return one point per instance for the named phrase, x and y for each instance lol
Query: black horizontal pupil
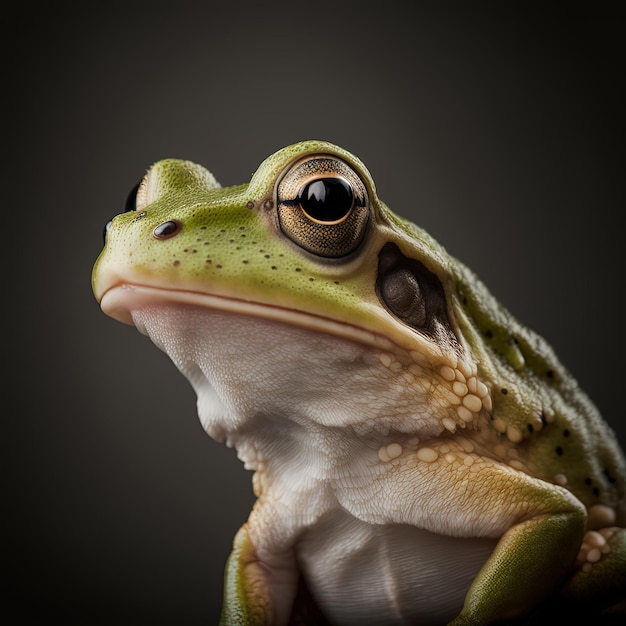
(326, 199)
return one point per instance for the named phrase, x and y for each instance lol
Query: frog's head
(306, 241)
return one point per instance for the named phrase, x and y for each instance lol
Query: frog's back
(578, 450)
(542, 422)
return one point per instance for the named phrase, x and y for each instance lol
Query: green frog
(419, 456)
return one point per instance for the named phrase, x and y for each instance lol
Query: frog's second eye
(131, 200)
(130, 205)
(323, 206)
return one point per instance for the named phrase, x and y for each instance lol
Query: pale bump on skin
(427, 455)
(412, 454)
(601, 516)
(468, 400)
(491, 433)
(455, 394)
(468, 395)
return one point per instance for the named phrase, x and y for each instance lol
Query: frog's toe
(595, 546)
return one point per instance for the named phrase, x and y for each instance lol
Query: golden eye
(323, 206)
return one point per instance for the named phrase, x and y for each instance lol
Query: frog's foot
(596, 544)
(600, 576)
(597, 589)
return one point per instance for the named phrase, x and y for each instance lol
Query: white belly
(383, 575)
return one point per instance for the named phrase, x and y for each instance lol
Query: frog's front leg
(446, 490)
(257, 593)
(591, 584)
(529, 561)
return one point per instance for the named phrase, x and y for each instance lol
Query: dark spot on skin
(222, 230)
(596, 491)
(566, 433)
(488, 334)
(219, 267)
(274, 267)
(464, 301)
(231, 241)
(250, 205)
(530, 427)
(336, 282)
(610, 478)
(176, 263)
(298, 269)
(267, 256)
(559, 450)
(504, 391)
(242, 228)
(311, 279)
(209, 261)
(550, 374)
(245, 261)
(588, 481)
(202, 227)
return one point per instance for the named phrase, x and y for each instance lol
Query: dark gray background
(499, 136)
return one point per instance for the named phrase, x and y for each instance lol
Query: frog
(417, 454)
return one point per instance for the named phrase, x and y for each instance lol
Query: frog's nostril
(167, 229)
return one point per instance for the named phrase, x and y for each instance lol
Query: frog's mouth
(121, 301)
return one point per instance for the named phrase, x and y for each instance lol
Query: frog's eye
(323, 206)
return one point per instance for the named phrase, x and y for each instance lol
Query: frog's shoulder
(541, 421)
(529, 383)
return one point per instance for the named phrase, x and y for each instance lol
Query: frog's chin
(122, 301)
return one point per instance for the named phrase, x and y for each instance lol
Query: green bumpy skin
(419, 456)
